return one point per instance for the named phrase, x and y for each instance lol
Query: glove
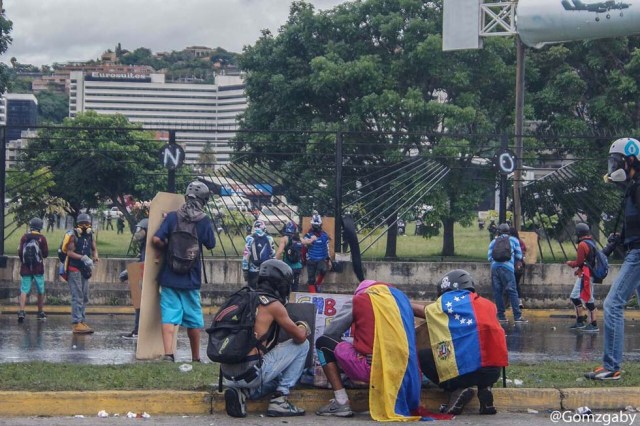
(609, 248)
(613, 239)
(87, 261)
(305, 325)
(124, 275)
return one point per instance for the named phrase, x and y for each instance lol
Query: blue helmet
(291, 228)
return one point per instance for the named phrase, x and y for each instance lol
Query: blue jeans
(502, 279)
(627, 281)
(281, 369)
(79, 287)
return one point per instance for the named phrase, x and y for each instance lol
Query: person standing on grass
(623, 167)
(582, 293)
(32, 251)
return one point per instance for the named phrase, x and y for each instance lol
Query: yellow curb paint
(602, 398)
(20, 404)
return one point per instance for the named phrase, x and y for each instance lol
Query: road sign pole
(171, 179)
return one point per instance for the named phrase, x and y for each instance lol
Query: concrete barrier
(545, 285)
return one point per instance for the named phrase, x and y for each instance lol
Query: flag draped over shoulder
(465, 334)
(394, 389)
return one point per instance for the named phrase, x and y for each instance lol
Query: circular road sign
(505, 161)
(172, 156)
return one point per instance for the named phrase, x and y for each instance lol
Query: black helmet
(83, 217)
(198, 190)
(582, 229)
(276, 277)
(503, 228)
(36, 224)
(458, 279)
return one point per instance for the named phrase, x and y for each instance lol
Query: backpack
(62, 249)
(183, 251)
(31, 253)
(63, 271)
(501, 249)
(260, 249)
(293, 251)
(597, 262)
(231, 335)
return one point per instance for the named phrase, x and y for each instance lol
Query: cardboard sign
(531, 240)
(325, 307)
(134, 270)
(150, 331)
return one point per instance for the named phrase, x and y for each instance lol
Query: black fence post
(171, 180)
(337, 244)
(3, 175)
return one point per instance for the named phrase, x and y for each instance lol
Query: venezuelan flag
(464, 334)
(394, 389)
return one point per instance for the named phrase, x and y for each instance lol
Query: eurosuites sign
(126, 76)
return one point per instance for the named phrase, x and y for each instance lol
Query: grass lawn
(470, 243)
(42, 376)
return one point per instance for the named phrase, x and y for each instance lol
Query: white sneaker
(334, 408)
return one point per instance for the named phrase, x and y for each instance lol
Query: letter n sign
(172, 156)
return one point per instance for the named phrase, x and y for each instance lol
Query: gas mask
(83, 228)
(616, 168)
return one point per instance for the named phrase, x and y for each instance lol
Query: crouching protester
(382, 354)
(468, 344)
(267, 367)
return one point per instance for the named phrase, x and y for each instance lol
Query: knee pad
(591, 306)
(577, 302)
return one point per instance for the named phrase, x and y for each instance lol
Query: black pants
(482, 378)
(325, 347)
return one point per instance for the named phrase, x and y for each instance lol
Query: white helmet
(619, 151)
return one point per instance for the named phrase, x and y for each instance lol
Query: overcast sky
(48, 31)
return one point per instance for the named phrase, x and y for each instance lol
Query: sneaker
(521, 320)
(600, 373)
(168, 358)
(279, 406)
(590, 328)
(234, 402)
(334, 408)
(42, 316)
(130, 336)
(21, 316)
(485, 396)
(458, 399)
(578, 325)
(89, 329)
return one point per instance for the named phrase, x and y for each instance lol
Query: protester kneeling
(267, 367)
(382, 354)
(468, 344)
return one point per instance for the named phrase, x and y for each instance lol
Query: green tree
(377, 67)
(53, 107)
(5, 40)
(93, 158)
(207, 159)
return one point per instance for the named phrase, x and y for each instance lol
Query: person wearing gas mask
(272, 368)
(623, 167)
(82, 253)
(140, 237)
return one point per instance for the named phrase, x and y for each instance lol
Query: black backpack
(231, 335)
(183, 251)
(293, 251)
(501, 249)
(31, 252)
(260, 249)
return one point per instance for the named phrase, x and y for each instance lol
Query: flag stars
(457, 299)
(469, 321)
(450, 310)
(462, 321)
(449, 304)
(456, 317)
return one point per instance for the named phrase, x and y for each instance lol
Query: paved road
(542, 339)
(501, 419)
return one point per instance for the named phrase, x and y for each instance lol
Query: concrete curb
(22, 404)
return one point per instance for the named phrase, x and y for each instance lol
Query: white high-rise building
(197, 112)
